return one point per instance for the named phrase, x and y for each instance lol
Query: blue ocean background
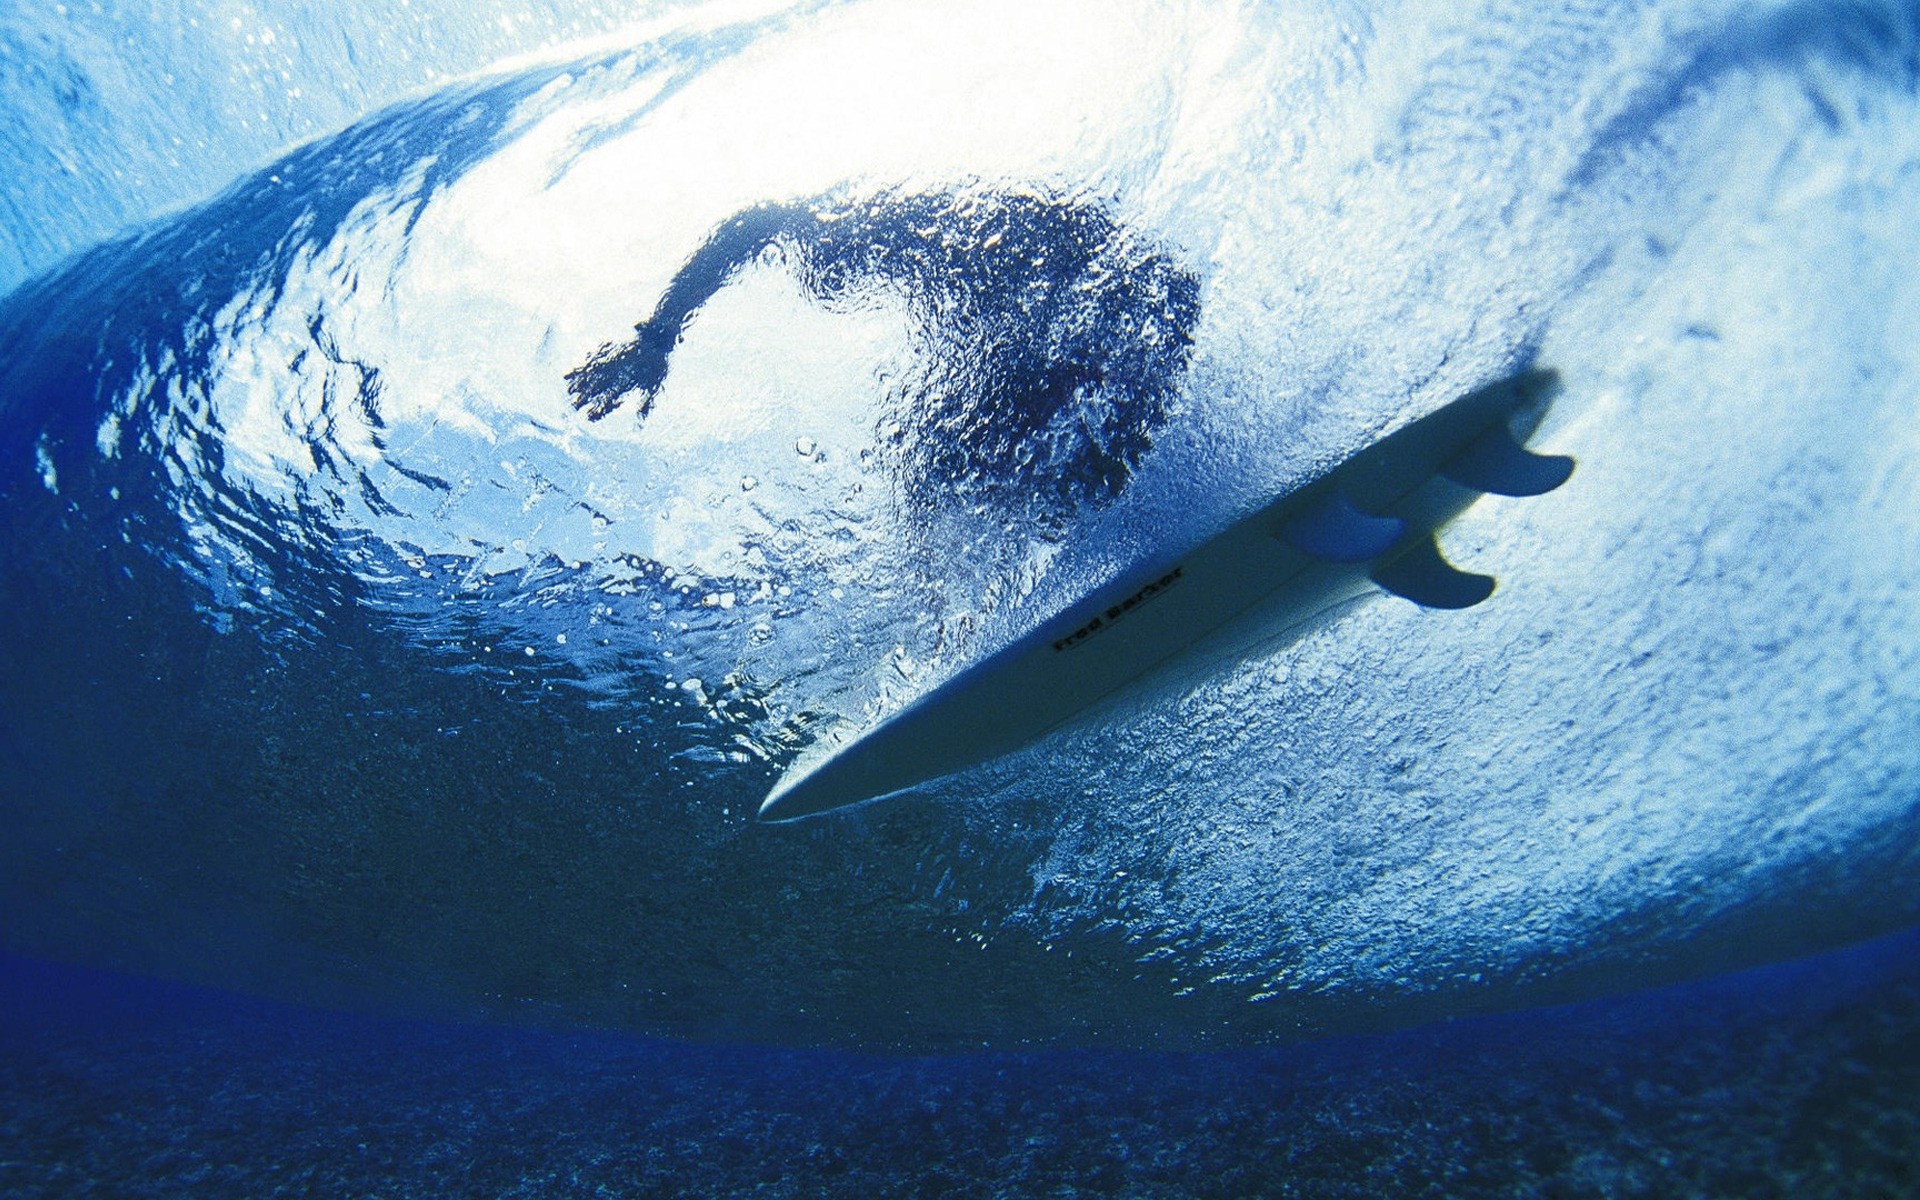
(381, 731)
(1791, 1080)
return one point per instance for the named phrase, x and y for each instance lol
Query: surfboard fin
(1421, 575)
(1494, 462)
(1333, 529)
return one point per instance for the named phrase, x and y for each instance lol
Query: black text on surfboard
(1116, 611)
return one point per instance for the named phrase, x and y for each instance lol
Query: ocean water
(1794, 1080)
(454, 460)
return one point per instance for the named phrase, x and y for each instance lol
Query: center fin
(1333, 529)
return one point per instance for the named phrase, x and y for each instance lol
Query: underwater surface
(455, 459)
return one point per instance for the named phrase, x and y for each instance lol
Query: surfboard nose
(857, 773)
(790, 799)
(912, 750)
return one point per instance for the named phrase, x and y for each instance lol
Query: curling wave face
(423, 556)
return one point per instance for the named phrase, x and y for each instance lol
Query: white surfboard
(1367, 523)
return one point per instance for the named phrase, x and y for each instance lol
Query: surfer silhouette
(1050, 341)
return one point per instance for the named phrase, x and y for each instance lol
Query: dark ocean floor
(1800, 1080)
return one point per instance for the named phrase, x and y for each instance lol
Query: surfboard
(1367, 523)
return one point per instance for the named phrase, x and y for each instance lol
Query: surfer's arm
(619, 369)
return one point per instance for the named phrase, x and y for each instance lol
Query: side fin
(1422, 576)
(1333, 529)
(1494, 462)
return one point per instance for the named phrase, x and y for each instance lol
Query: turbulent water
(422, 556)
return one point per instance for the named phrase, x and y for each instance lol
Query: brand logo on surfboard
(1115, 611)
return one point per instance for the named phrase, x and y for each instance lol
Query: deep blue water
(1800, 1079)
